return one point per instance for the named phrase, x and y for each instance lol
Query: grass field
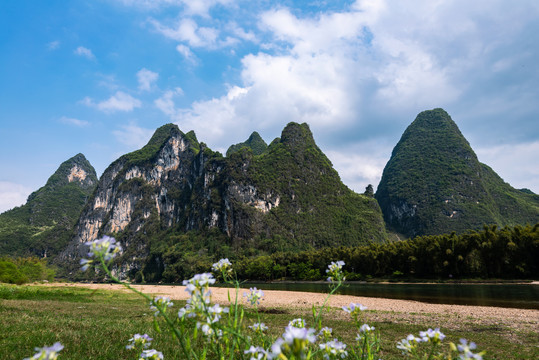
(96, 324)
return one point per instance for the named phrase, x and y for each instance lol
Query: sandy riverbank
(439, 315)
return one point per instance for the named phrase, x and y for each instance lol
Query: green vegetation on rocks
(254, 142)
(44, 225)
(434, 184)
(22, 270)
(184, 204)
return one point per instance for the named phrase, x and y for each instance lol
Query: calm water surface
(524, 296)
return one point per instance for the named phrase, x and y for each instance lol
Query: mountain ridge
(288, 197)
(175, 204)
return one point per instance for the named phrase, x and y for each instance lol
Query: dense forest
(504, 253)
(494, 252)
(23, 270)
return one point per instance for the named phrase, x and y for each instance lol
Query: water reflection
(523, 296)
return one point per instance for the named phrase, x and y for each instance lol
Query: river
(523, 296)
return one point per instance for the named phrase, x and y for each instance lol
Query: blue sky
(99, 76)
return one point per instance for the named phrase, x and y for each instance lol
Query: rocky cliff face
(434, 184)
(43, 226)
(176, 184)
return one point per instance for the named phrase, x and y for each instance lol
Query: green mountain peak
(44, 224)
(434, 183)
(255, 142)
(297, 136)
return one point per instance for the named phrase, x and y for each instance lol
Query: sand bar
(442, 315)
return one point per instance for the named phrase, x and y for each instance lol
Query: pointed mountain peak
(80, 170)
(254, 142)
(433, 118)
(434, 130)
(255, 136)
(159, 138)
(75, 169)
(434, 183)
(297, 135)
(163, 133)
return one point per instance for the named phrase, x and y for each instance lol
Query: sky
(99, 76)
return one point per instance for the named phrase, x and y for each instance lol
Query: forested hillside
(434, 184)
(44, 225)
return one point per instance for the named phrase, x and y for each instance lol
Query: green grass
(96, 324)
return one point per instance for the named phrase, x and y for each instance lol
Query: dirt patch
(450, 316)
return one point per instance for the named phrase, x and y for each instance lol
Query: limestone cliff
(176, 185)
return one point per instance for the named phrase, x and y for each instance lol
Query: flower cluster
(151, 354)
(434, 336)
(325, 333)
(160, 304)
(334, 349)
(258, 327)
(254, 296)
(198, 288)
(465, 350)
(142, 341)
(354, 309)
(256, 352)
(334, 271)
(365, 328)
(293, 343)
(297, 323)
(223, 266)
(408, 345)
(47, 352)
(105, 248)
(199, 283)
(198, 305)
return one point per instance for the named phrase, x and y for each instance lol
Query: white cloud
(187, 53)
(12, 194)
(120, 101)
(187, 30)
(146, 78)
(133, 136)
(53, 45)
(84, 52)
(360, 164)
(73, 121)
(189, 7)
(202, 7)
(513, 162)
(240, 32)
(107, 81)
(166, 102)
(366, 71)
(315, 81)
(215, 118)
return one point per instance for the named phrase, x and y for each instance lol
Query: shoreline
(440, 315)
(396, 282)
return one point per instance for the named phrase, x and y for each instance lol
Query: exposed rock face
(175, 182)
(434, 184)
